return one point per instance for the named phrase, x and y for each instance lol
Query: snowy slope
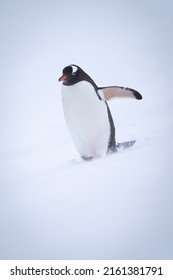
(52, 204)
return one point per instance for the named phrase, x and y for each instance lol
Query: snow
(53, 205)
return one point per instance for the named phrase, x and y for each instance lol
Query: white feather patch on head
(74, 69)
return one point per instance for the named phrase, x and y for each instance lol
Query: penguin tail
(125, 145)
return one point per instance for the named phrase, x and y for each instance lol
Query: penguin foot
(87, 158)
(112, 150)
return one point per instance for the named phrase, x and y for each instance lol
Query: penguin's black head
(73, 74)
(70, 75)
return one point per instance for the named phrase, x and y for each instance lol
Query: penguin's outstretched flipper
(115, 91)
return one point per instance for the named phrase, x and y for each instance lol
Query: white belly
(87, 119)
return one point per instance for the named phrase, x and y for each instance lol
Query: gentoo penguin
(87, 113)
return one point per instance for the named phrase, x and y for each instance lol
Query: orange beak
(63, 78)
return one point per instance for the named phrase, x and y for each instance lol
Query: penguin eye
(74, 73)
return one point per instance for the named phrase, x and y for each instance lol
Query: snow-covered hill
(53, 205)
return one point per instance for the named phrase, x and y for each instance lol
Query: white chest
(87, 119)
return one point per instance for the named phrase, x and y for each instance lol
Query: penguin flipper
(116, 91)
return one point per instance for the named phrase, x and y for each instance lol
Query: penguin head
(70, 75)
(73, 74)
